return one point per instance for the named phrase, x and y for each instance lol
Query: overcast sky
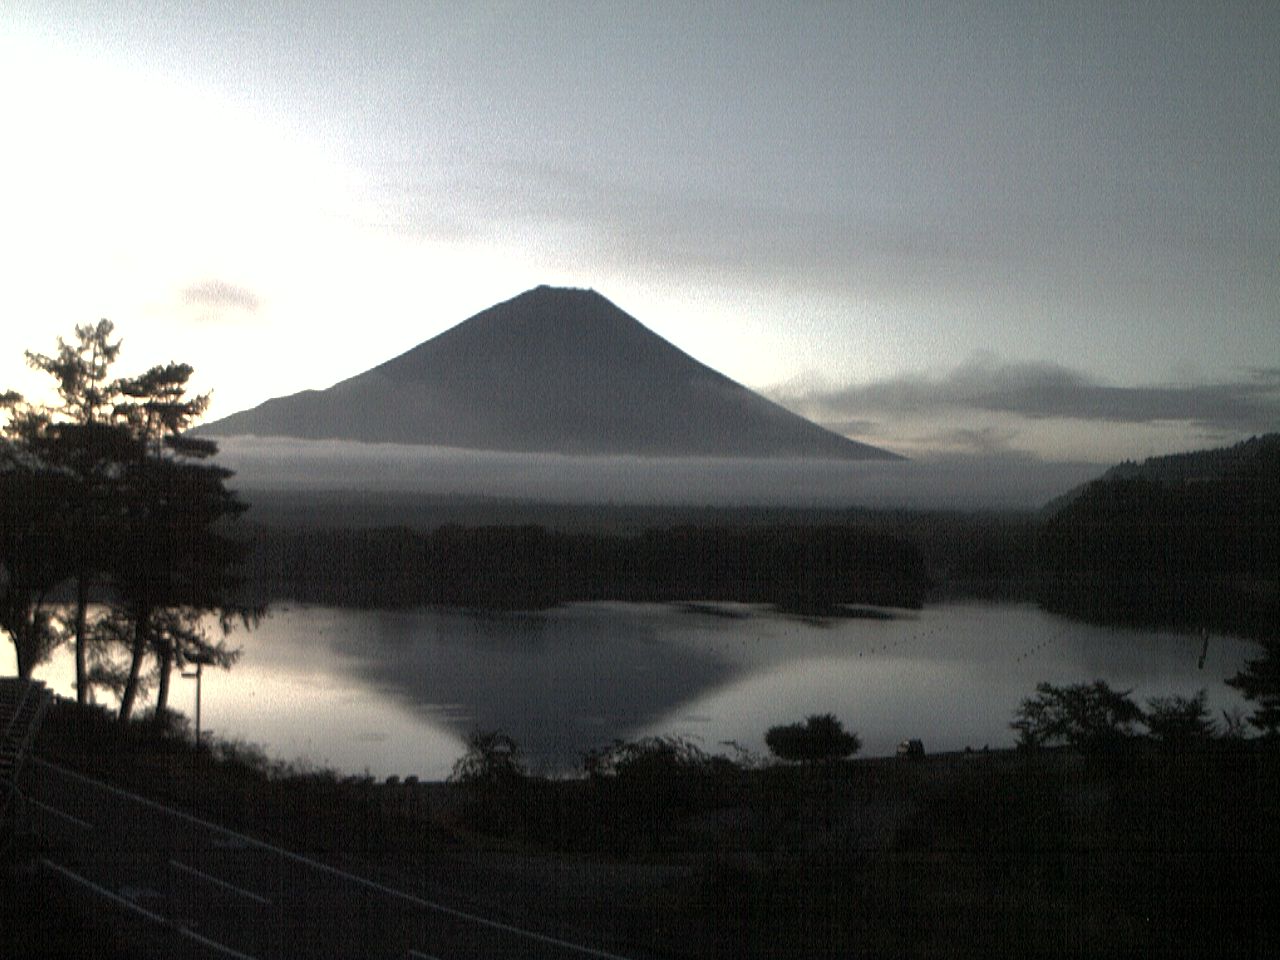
(1039, 229)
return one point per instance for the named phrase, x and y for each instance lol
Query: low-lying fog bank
(964, 483)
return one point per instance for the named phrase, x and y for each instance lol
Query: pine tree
(79, 437)
(107, 489)
(1259, 681)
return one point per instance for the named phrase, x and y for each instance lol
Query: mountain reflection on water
(396, 692)
(559, 682)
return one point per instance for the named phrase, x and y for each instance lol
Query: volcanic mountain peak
(554, 370)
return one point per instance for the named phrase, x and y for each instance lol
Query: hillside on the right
(1190, 541)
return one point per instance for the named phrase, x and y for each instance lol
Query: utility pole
(197, 678)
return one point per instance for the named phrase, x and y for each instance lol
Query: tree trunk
(162, 690)
(141, 638)
(31, 643)
(82, 667)
(24, 648)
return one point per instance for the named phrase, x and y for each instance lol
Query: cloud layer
(219, 293)
(997, 481)
(1039, 391)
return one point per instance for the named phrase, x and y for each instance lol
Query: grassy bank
(1136, 851)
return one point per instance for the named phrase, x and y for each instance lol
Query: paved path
(206, 891)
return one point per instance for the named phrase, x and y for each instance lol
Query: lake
(395, 692)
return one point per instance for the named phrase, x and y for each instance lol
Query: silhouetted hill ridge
(1243, 458)
(1252, 458)
(554, 370)
(1187, 541)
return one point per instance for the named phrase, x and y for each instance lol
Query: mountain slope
(1257, 457)
(552, 370)
(1190, 541)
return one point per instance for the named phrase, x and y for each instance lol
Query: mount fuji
(552, 370)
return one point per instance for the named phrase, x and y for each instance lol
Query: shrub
(821, 738)
(1259, 682)
(1088, 716)
(646, 758)
(492, 759)
(1180, 722)
(1234, 725)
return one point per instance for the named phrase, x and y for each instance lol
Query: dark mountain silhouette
(1255, 457)
(1191, 541)
(555, 370)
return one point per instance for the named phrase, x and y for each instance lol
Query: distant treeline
(965, 554)
(1183, 541)
(1180, 541)
(801, 568)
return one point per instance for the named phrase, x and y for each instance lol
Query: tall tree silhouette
(33, 555)
(85, 441)
(106, 489)
(176, 563)
(1259, 682)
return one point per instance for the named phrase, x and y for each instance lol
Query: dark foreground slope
(551, 370)
(673, 853)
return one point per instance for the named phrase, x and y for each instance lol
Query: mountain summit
(551, 370)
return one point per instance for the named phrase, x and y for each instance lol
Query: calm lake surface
(395, 692)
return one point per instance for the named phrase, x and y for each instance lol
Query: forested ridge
(1192, 540)
(799, 568)
(1186, 541)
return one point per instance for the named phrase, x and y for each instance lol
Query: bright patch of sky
(862, 209)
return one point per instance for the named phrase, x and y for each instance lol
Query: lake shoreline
(395, 692)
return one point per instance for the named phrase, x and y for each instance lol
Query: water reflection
(560, 682)
(570, 679)
(951, 676)
(396, 692)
